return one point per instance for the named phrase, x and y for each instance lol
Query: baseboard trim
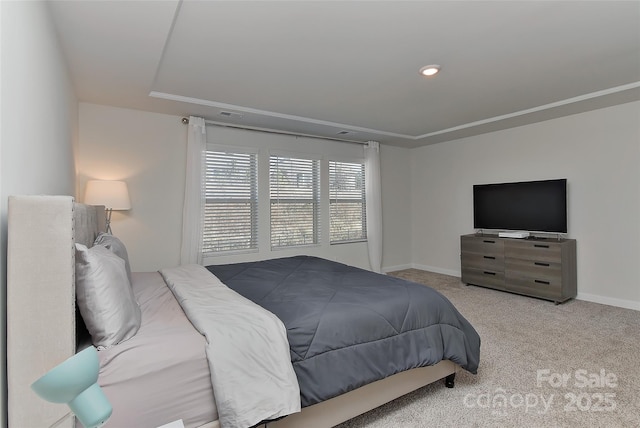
(421, 267)
(620, 303)
(395, 268)
(436, 269)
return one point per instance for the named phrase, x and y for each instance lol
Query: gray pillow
(104, 296)
(112, 243)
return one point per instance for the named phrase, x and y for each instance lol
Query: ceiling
(349, 69)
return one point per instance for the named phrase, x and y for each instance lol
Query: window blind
(295, 201)
(231, 202)
(347, 203)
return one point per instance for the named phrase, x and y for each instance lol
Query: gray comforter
(348, 327)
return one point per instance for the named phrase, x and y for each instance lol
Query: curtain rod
(185, 120)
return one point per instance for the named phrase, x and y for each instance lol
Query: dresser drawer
(493, 262)
(486, 278)
(547, 289)
(540, 251)
(482, 245)
(521, 268)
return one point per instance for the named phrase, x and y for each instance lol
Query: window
(231, 202)
(347, 205)
(295, 201)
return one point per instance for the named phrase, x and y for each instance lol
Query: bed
(45, 228)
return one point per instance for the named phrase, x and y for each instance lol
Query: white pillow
(116, 246)
(104, 295)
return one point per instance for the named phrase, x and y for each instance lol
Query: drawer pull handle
(541, 264)
(539, 281)
(489, 273)
(489, 241)
(540, 246)
(489, 257)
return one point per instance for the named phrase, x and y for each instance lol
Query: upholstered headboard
(41, 324)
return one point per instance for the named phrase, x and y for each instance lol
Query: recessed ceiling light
(430, 70)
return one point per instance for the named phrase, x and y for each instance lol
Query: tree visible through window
(295, 201)
(231, 202)
(347, 202)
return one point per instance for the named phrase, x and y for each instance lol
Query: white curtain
(191, 250)
(373, 190)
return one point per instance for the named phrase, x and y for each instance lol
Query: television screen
(534, 206)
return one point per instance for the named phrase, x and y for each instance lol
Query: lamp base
(91, 407)
(108, 220)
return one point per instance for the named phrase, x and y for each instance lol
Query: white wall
(396, 207)
(39, 120)
(598, 152)
(148, 151)
(425, 207)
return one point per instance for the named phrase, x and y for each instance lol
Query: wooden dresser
(539, 267)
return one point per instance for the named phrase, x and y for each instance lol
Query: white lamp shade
(112, 194)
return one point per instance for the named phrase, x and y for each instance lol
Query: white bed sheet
(161, 374)
(247, 348)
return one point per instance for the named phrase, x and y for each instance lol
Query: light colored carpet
(572, 365)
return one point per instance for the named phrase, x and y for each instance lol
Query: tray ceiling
(326, 67)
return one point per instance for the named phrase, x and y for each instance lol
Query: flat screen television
(532, 206)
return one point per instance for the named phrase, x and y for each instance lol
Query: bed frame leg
(449, 381)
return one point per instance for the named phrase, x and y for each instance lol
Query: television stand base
(543, 268)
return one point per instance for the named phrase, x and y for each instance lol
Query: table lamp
(112, 194)
(75, 382)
